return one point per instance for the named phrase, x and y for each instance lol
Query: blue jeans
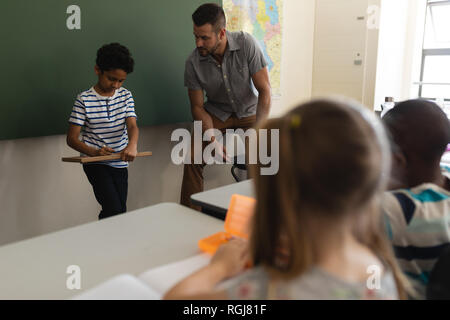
(110, 188)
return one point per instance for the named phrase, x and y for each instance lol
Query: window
(435, 70)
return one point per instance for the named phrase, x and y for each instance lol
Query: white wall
(297, 55)
(40, 194)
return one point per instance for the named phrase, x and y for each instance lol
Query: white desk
(129, 243)
(216, 201)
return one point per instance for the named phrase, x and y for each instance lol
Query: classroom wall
(297, 55)
(40, 194)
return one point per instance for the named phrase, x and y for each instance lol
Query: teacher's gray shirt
(229, 87)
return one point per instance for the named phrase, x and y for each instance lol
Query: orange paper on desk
(236, 223)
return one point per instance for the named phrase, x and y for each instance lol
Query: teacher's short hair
(210, 13)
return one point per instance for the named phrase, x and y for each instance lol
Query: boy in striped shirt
(418, 207)
(105, 117)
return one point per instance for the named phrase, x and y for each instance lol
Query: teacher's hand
(222, 150)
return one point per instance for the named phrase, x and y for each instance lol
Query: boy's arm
(130, 152)
(74, 142)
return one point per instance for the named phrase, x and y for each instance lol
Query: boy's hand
(104, 151)
(129, 153)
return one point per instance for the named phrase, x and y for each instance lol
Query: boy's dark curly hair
(114, 56)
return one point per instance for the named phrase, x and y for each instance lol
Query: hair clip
(296, 121)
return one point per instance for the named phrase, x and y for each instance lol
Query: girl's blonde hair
(334, 158)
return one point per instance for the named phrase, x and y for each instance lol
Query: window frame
(431, 52)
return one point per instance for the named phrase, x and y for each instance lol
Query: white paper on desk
(150, 285)
(165, 277)
(121, 287)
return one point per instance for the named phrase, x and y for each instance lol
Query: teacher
(228, 67)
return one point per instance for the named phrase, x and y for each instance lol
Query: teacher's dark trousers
(193, 173)
(110, 188)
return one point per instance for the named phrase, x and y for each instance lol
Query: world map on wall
(262, 19)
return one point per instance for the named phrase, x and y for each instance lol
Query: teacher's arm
(262, 84)
(198, 111)
(199, 114)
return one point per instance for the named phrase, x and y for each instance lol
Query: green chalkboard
(45, 64)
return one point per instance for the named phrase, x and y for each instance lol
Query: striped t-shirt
(418, 223)
(103, 120)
